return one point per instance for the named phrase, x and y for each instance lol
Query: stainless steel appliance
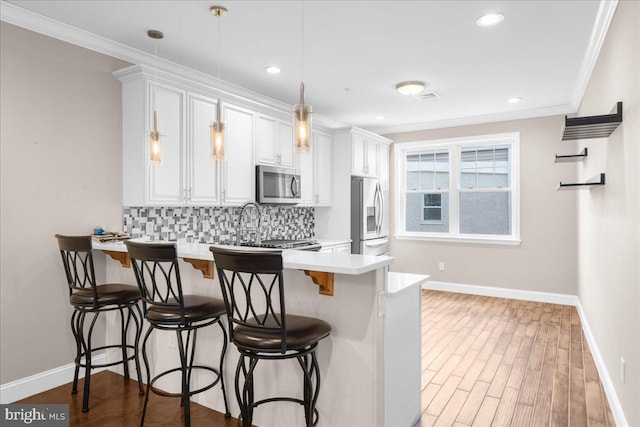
(277, 185)
(304, 245)
(369, 216)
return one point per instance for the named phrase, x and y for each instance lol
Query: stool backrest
(155, 266)
(78, 264)
(253, 289)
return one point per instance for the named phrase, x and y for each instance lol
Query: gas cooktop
(305, 244)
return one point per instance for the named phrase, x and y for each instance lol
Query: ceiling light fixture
(273, 70)
(489, 19)
(379, 117)
(302, 112)
(217, 126)
(514, 100)
(410, 88)
(155, 147)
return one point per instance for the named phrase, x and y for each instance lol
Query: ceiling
(356, 51)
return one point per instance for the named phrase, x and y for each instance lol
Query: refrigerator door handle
(381, 208)
(377, 200)
(376, 243)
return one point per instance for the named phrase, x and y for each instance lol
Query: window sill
(510, 241)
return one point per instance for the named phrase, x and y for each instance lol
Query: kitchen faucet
(240, 230)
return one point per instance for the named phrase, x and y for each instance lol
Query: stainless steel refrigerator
(369, 216)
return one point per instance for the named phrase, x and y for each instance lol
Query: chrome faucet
(240, 229)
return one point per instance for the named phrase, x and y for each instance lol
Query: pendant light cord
(302, 40)
(219, 90)
(155, 71)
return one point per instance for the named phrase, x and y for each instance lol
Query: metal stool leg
(146, 367)
(185, 375)
(136, 352)
(123, 341)
(74, 329)
(227, 414)
(87, 362)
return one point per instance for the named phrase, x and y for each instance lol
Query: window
(463, 189)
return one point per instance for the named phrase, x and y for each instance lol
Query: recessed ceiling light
(379, 117)
(489, 19)
(410, 88)
(514, 100)
(273, 70)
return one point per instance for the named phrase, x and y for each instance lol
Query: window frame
(454, 145)
(431, 221)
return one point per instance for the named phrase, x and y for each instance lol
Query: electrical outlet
(172, 341)
(622, 369)
(441, 266)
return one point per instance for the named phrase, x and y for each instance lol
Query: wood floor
(115, 402)
(502, 362)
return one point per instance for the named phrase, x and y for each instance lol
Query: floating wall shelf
(582, 185)
(592, 126)
(573, 157)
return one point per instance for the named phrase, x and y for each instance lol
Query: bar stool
(87, 297)
(167, 308)
(252, 283)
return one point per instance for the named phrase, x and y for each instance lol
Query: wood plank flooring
(501, 362)
(115, 401)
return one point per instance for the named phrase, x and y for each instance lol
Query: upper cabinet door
(358, 154)
(166, 181)
(239, 170)
(383, 162)
(266, 140)
(371, 159)
(203, 172)
(287, 155)
(323, 153)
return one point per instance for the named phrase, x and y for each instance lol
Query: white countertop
(331, 242)
(291, 259)
(397, 282)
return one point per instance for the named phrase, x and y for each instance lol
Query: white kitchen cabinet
(306, 170)
(274, 142)
(166, 182)
(238, 171)
(203, 177)
(323, 167)
(337, 248)
(383, 162)
(364, 155)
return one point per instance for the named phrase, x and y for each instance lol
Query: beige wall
(608, 217)
(60, 173)
(546, 259)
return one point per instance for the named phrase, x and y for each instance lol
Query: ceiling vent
(423, 96)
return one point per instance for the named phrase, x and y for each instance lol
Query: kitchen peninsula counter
(354, 360)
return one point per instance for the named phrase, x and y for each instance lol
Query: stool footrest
(191, 393)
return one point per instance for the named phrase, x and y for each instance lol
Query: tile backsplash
(209, 224)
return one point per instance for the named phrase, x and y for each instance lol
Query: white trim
(605, 378)
(490, 291)
(553, 110)
(548, 297)
(606, 11)
(43, 381)
(478, 240)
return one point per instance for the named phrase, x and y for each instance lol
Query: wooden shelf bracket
(324, 281)
(206, 267)
(121, 257)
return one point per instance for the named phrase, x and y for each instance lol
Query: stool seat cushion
(301, 332)
(112, 293)
(196, 308)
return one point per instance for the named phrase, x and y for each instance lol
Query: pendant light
(302, 112)
(155, 147)
(217, 126)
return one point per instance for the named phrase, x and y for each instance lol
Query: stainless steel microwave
(277, 185)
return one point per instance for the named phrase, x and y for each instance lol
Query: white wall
(61, 157)
(546, 260)
(608, 217)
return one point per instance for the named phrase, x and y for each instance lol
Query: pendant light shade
(217, 126)
(301, 111)
(155, 146)
(302, 123)
(217, 136)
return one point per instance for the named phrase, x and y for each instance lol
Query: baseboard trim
(490, 291)
(28, 386)
(564, 299)
(605, 378)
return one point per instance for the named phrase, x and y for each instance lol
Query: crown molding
(32, 21)
(480, 119)
(606, 11)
